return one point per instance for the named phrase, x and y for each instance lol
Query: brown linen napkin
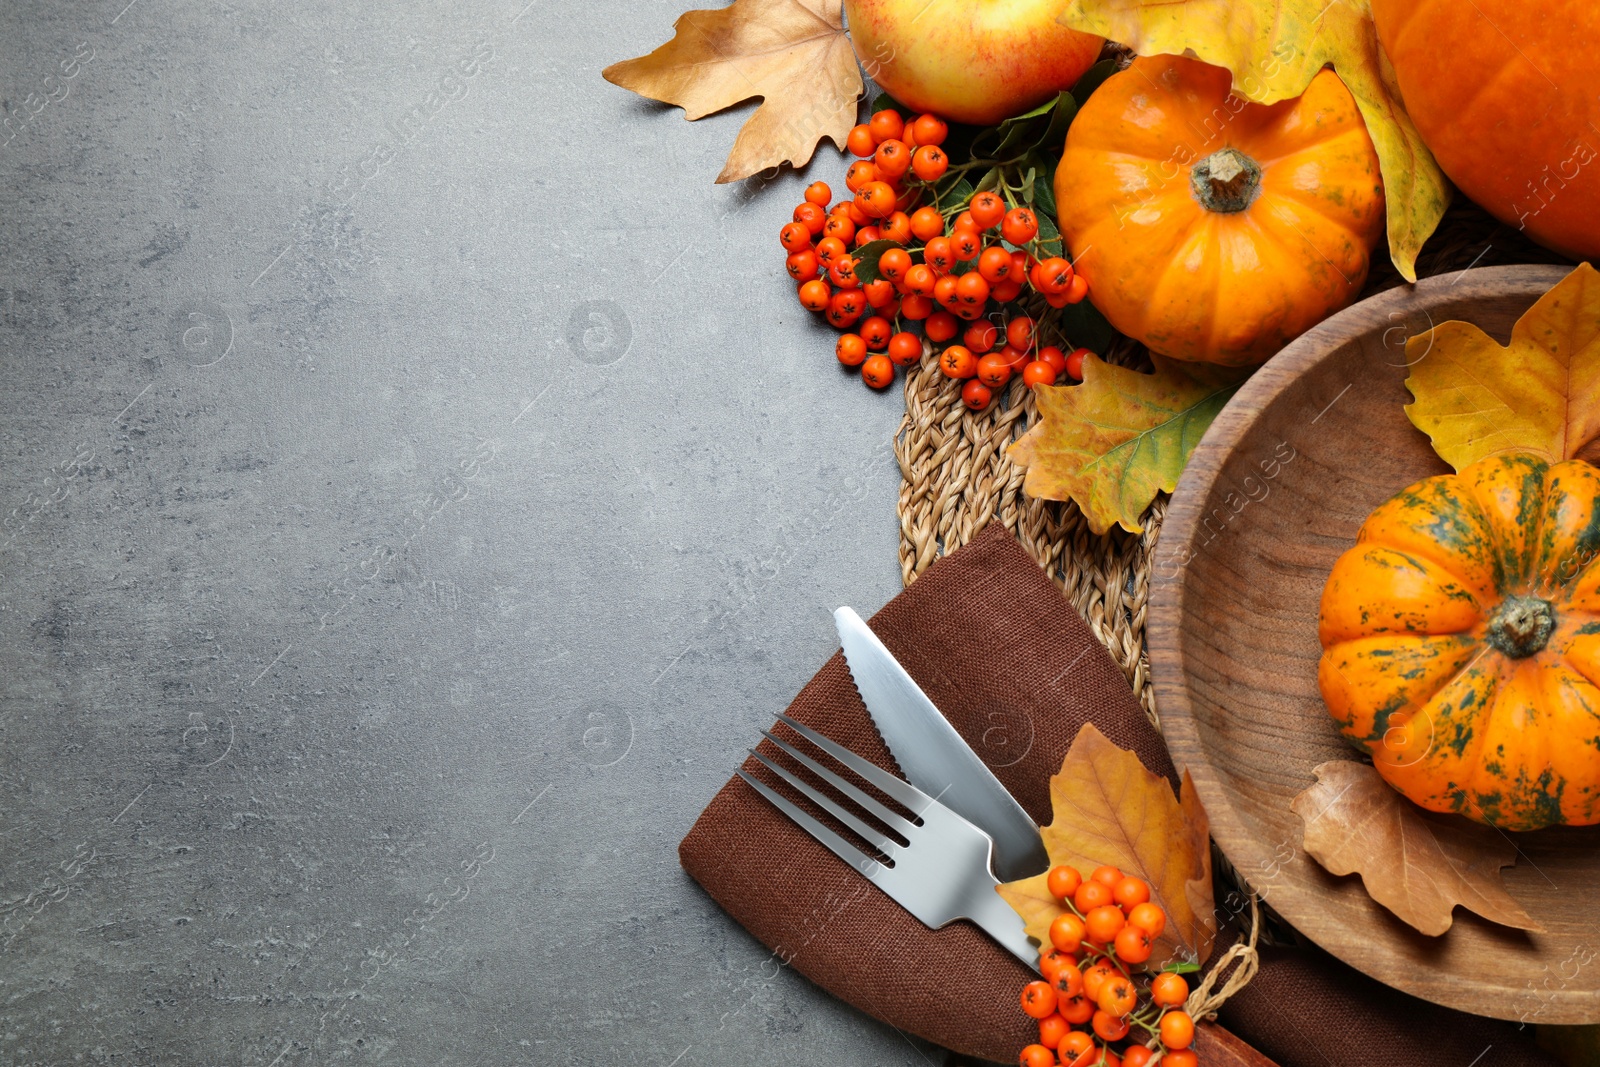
(1306, 1009)
(1015, 669)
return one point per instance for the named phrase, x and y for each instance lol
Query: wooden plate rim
(1483, 995)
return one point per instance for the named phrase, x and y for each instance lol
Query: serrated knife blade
(933, 756)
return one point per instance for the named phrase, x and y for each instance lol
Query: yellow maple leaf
(1273, 49)
(1114, 441)
(1541, 393)
(793, 54)
(1108, 809)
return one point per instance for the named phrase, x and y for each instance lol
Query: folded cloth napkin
(1015, 669)
(1001, 652)
(1306, 1009)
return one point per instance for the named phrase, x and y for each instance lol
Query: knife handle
(989, 910)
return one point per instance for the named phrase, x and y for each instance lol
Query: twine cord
(1204, 1001)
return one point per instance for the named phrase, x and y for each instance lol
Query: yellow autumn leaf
(1273, 49)
(1107, 808)
(1541, 393)
(793, 54)
(1114, 441)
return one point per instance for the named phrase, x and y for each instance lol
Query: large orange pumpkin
(1461, 640)
(1507, 95)
(1210, 228)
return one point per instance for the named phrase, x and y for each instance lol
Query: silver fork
(942, 871)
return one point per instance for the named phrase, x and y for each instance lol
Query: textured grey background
(407, 524)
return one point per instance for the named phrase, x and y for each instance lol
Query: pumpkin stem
(1521, 626)
(1226, 181)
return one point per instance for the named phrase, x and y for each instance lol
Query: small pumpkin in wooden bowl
(1461, 641)
(1274, 495)
(1213, 229)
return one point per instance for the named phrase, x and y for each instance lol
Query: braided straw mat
(958, 479)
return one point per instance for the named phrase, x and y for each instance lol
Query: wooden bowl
(1273, 494)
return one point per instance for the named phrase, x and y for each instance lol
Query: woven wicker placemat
(958, 479)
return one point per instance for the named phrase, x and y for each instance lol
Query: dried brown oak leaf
(1108, 809)
(793, 54)
(1418, 869)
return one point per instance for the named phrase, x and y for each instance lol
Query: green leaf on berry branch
(1119, 438)
(1083, 324)
(867, 257)
(885, 102)
(1092, 79)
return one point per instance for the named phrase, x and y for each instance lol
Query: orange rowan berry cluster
(916, 261)
(1095, 1006)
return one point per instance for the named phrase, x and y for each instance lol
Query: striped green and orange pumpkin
(1461, 642)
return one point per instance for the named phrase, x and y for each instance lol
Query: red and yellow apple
(976, 61)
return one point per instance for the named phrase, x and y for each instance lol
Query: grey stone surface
(418, 484)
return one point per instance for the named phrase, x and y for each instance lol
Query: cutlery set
(959, 833)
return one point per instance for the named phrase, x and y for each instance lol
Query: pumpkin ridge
(1487, 703)
(1315, 139)
(1419, 561)
(1404, 20)
(1445, 648)
(1525, 677)
(1444, 560)
(1561, 642)
(1262, 277)
(1565, 667)
(1463, 498)
(1212, 226)
(1197, 234)
(1564, 484)
(1280, 214)
(1490, 703)
(1316, 208)
(1516, 570)
(1271, 185)
(1112, 154)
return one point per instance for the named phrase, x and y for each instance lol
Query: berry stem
(962, 168)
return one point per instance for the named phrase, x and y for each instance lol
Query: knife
(935, 758)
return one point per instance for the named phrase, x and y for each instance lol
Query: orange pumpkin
(1210, 228)
(1461, 642)
(1507, 95)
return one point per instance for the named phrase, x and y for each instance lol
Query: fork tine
(874, 808)
(870, 834)
(835, 844)
(902, 792)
